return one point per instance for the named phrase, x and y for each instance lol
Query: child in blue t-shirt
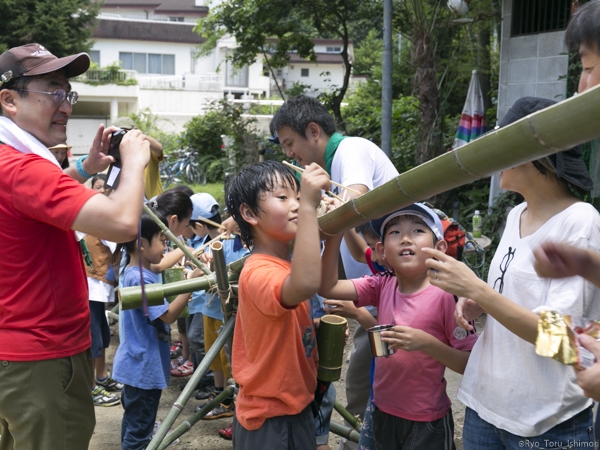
(142, 359)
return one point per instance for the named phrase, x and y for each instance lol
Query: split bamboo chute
(557, 128)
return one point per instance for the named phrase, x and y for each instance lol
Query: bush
(204, 133)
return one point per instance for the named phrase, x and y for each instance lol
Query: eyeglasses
(59, 95)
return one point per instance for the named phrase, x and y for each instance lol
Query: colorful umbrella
(472, 120)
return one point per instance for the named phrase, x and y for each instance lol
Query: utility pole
(386, 85)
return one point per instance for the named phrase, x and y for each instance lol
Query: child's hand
(466, 312)
(405, 338)
(314, 179)
(341, 308)
(194, 274)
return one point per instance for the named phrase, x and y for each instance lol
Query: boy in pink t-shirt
(409, 389)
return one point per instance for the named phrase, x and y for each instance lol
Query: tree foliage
(62, 26)
(205, 134)
(274, 28)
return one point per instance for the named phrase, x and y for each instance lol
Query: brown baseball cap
(33, 59)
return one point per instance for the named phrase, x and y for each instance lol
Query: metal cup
(378, 347)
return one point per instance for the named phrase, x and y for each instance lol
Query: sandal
(175, 349)
(176, 363)
(184, 370)
(227, 432)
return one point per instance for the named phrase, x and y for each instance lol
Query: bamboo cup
(331, 337)
(170, 276)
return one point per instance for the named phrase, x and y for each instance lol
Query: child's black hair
(174, 202)
(298, 112)
(149, 229)
(584, 27)
(98, 176)
(216, 218)
(183, 188)
(367, 230)
(248, 187)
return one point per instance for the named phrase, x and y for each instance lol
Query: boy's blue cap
(425, 213)
(205, 206)
(275, 139)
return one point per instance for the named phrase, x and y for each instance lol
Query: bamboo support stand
(345, 432)
(560, 127)
(187, 425)
(191, 385)
(131, 297)
(353, 421)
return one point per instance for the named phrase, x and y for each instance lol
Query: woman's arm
(456, 278)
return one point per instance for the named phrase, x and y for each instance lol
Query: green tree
(205, 134)
(274, 28)
(62, 26)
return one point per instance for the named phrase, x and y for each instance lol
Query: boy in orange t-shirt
(274, 356)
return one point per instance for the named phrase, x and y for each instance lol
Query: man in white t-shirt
(308, 134)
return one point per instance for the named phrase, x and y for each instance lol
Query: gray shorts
(278, 433)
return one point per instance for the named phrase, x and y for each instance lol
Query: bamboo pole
(189, 388)
(222, 279)
(187, 425)
(131, 297)
(557, 128)
(345, 432)
(353, 421)
(175, 241)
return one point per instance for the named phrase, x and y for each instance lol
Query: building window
(303, 72)
(236, 77)
(540, 16)
(95, 57)
(333, 49)
(148, 63)
(175, 19)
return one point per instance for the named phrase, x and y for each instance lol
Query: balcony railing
(194, 82)
(109, 76)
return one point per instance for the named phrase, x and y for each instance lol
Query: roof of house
(171, 6)
(138, 30)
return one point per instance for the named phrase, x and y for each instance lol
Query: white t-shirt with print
(359, 161)
(505, 381)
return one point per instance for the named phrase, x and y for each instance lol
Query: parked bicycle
(181, 166)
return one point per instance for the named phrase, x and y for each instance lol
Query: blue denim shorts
(573, 433)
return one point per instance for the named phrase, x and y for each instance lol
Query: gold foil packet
(557, 338)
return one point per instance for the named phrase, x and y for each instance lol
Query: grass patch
(214, 189)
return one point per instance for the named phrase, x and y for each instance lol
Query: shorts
(211, 332)
(99, 328)
(47, 404)
(282, 432)
(181, 326)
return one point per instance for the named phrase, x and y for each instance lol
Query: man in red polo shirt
(45, 361)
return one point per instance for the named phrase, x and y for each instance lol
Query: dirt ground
(204, 434)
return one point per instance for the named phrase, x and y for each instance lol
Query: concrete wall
(530, 65)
